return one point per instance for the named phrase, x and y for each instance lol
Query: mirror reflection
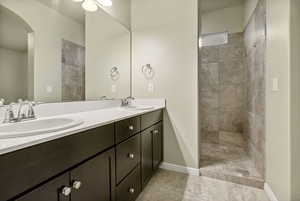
(53, 51)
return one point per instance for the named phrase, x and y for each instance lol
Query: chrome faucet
(127, 101)
(25, 112)
(2, 101)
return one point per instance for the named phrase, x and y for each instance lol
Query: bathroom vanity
(111, 162)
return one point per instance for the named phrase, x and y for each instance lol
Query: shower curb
(271, 195)
(179, 168)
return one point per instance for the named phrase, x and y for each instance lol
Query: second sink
(37, 127)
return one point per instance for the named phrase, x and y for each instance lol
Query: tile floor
(230, 161)
(173, 186)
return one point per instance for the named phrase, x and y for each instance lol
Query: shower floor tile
(229, 161)
(173, 186)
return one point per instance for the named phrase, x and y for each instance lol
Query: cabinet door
(95, 179)
(147, 158)
(157, 145)
(51, 191)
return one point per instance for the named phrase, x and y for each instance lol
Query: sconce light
(89, 5)
(106, 3)
(92, 5)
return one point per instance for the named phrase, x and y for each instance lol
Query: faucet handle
(30, 110)
(34, 103)
(2, 101)
(9, 114)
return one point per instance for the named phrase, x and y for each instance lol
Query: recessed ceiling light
(89, 5)
(106, 3)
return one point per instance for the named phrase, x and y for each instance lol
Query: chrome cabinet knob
(66, 191)
(155, 132)
(131, 156)
(77, 184)
(131, 127)
(131, 190)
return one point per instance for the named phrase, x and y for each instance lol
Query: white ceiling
(68, 8)
(211, 5)
(13, 31)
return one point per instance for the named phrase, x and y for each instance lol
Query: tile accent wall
(223, 89)
(255, 43)
(73, 71)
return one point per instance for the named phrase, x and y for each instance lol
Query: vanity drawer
(151, 118)
(127, 156)
(130, 187)
(127, 128)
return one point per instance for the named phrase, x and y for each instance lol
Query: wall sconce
(92, 5)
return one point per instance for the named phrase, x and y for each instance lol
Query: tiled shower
(73, 71)
(232, 105)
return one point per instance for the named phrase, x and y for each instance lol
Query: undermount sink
(37, 127)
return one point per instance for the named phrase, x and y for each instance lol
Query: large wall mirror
(55, 51)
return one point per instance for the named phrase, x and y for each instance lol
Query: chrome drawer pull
(77, 184)
(131, 156)
(131, 190)
(131, 127)
(66, 191)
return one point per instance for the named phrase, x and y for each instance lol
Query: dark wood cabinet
(51, 191)
(127, 128)
(151, 118)
(127, 156)
(152, 141)
(147, 159)
(94, 179)
(28, 168)
(109, 163)
(157, 145)
(130, 188)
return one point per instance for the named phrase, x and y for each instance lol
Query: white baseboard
(182, 169)
(270, 193)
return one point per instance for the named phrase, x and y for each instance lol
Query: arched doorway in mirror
(16, 57)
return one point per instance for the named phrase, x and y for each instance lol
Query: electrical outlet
(150, 87)
(49, 89)
(113, 88)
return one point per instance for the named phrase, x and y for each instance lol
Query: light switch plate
(275, 84)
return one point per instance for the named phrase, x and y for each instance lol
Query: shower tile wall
(255, 43)
(223, 89)
(73, 71)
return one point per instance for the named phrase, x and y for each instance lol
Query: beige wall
(227, 19)
(165, 35)
(278, 146)
(121, 11)
(13, 79)
(49, 27)
(107, 45)
(249, 8)
(30, 67)
(295, 100)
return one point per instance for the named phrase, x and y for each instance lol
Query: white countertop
(91, 118)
